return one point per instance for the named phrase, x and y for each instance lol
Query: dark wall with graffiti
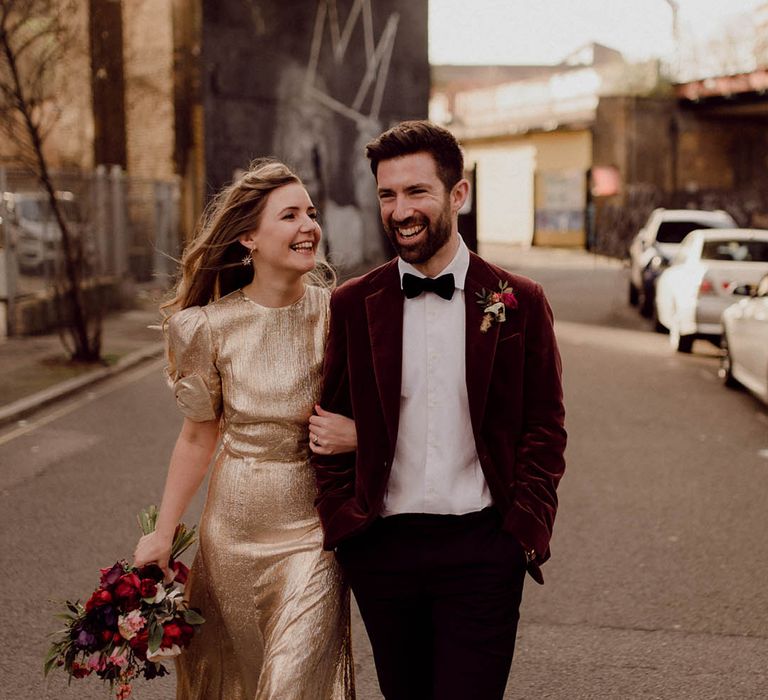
(310, 82)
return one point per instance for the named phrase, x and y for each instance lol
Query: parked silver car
(693, 292)
(745, 342)
(36, 231)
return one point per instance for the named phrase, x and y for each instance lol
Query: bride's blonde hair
(211, 265)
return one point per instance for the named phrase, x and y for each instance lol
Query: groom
(450, 369)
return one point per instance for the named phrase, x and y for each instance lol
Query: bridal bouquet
(130, 623)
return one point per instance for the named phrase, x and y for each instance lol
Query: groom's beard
(433, 239)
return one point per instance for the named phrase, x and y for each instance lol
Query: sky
(544, 31)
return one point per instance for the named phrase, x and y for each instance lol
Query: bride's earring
(247, 260)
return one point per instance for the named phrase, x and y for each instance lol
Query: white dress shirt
(436, 468)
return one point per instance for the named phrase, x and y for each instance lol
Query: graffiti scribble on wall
(309, 134)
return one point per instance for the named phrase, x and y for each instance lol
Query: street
(657, 583)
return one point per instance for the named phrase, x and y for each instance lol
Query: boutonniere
(495, 305)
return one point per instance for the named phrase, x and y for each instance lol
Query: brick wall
(148, 56)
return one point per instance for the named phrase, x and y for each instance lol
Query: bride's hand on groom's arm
(331, 433)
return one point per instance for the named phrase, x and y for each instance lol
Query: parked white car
(745, 342)
(693, 292)
(656, 243)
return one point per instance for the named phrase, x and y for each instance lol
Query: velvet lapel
(385, 327)
(480, 347)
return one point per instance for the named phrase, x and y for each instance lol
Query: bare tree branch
(32, 44)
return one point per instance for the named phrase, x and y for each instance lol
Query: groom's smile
(415, 207)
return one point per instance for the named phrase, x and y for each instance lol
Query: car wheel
(726, 364)
(658, 326)
(634, 294)
(647, 307)
(680, 343)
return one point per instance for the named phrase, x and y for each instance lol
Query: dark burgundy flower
(100, 597)
(148, 588)
(181, 570)
(110, 576)
(139, 643)
(126, 592)
(152, 571)
(80, 671)
(153, 670)
(103, 617)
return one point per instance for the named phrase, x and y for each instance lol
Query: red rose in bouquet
(127, 593)
(140, 643)
(130, 622)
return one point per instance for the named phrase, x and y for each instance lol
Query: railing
(128, 228)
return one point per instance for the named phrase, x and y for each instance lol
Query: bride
(245, 350)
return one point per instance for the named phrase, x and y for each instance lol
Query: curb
(29, 404)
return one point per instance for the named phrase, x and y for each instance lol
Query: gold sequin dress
(276, 609)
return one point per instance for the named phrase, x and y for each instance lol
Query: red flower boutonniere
(495, 305)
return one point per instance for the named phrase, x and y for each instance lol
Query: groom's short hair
(420, 136)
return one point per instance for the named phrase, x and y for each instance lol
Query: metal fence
(128, 228)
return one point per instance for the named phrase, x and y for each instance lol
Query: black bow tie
(443, 286)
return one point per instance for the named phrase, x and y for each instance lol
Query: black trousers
(440, 598)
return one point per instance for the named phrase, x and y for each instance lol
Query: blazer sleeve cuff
(529, 531)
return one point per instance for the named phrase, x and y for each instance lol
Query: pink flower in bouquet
(130, 624)
(120, 660)
(96, 663)
(127, 593)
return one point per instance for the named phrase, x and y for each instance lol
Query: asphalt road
(657, 583)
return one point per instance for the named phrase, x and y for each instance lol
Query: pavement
(35, 371)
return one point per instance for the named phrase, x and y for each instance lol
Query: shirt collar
(457, 267)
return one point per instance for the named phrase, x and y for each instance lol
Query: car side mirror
(744, 290)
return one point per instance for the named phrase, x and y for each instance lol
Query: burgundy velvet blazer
(513, 374)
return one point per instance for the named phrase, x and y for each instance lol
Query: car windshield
(33, 210)
(675, 231)
(735, 250)
(38, 210)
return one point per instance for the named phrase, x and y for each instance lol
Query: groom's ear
(459, 194)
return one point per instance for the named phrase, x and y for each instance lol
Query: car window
(32, 210)
(675, 231)
(38, 210)
(735, 251)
